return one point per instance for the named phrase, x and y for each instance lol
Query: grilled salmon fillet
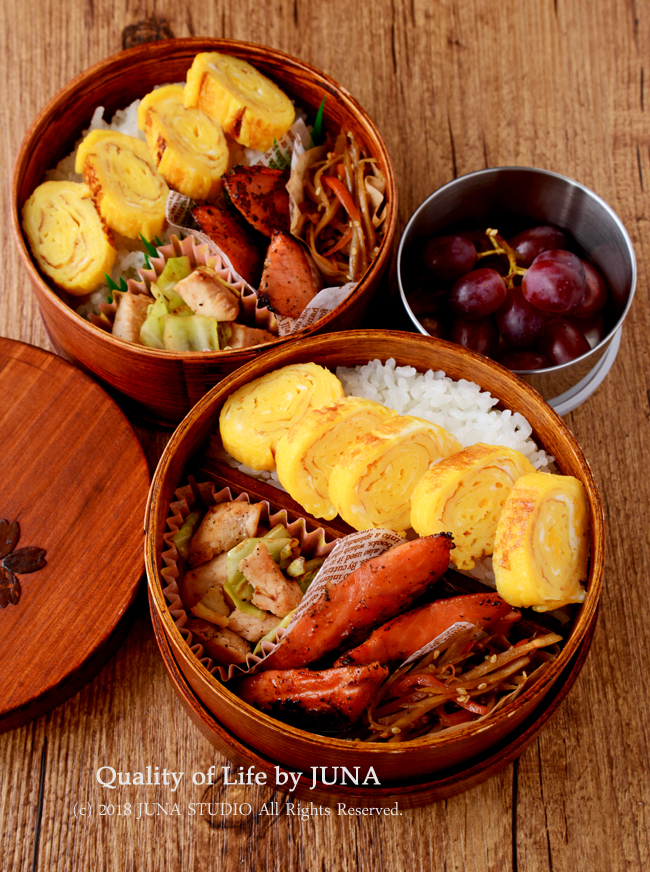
(346, 612)
(233, 236)
(260, 194)
(328, 700)
(288, 282)
(396, 640)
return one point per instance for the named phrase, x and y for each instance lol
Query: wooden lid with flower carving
(74, 487)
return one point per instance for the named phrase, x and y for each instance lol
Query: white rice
(460, 407)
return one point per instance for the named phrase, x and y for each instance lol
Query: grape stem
(500, 246)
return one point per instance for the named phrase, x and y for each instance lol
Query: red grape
(529, 243)
(512, 314)
(481, 336)
(593, 329)
(553, 284)
(596, 295)
(563, 342)
(448, 257)
(525, 360)
(566, 257)
(520, 324)
(478, 293)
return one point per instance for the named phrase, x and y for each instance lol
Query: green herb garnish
(317, 132)
(113, 286)
(151, 249)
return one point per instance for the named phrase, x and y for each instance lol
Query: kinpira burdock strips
(345, 613)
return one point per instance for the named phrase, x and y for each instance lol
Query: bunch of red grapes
(528, 302)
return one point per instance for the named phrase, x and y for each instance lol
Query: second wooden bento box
(427, 757)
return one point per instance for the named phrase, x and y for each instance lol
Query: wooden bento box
(161, 384)
(296, 749)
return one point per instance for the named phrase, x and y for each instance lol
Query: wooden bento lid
(75, 478)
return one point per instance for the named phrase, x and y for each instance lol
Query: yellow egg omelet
(464, 495)
(67, 236)
(257, 415)
(247, 105)
(372, 483)
(188, 146)
(309, 450)
(541, 549)
(128, 191)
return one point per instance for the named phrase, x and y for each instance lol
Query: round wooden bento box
(420, 760)
(159, 384)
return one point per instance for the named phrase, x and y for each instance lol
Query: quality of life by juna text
(108, 777)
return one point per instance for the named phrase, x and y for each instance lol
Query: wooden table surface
(454, 86)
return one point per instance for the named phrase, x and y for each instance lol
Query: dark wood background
(454, 86)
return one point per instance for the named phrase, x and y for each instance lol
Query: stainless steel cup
(538, 197)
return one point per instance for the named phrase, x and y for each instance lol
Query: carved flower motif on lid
(11, 562)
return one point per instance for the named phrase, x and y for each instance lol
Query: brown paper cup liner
(312, 544)
(199, 255)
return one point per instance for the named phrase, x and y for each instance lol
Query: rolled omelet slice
(371, 485)
(249, 107)
(464, 495)
(188, 146)
(309, 450)
(541, 549)
(254, 418)
(67, 236)
(128, 191)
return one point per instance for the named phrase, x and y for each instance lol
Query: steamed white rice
(460, 407)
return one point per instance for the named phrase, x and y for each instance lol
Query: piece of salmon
(242, 246)
(402, 636)
(347, 612)
(260, 194)
(330, 700)
(289, 280)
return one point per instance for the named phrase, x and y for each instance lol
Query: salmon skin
(330, 700)
(288, 281)
(260, 194)
(396, 640)
(346, 612)
(235, 238)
